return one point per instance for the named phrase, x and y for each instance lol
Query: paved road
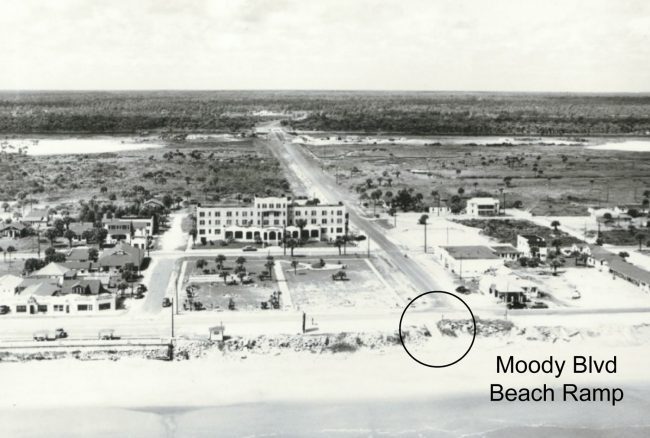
(308, 170)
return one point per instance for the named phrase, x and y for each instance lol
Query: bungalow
(470, 260)
(509, 288)
(79, 228)
(154, 204)
(37, 218)
(439, 211)
(119, 256)
(506, 252)
(45, 297)
(531, 245)
(13, 230)
(54, 271)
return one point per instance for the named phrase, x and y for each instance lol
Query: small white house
(482, 207)
(531, 245)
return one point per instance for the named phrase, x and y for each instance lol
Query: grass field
(555, 180)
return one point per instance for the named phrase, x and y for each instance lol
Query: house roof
(14, 225)
(9, 281)
(483, 200)
(53, 270)
(36, 214)
(618, 265)
(470, 252)
(42, 289)
(534, 239)
(79, 227)
(120, 255)
(78, 265)
(93, 287)
(504, 249)
(78, 254)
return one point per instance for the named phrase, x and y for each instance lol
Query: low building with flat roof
(468, 260)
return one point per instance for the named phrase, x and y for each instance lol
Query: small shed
(217, 333)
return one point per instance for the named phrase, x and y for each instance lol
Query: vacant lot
(215, 294)
(547, 179)
(200, 170)
(506, 230)
(313, 288)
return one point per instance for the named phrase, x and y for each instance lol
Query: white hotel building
(267, 219)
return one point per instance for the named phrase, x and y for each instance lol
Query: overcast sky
(505, 45)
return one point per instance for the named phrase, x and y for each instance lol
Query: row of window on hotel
(277, 214)
(275, 222)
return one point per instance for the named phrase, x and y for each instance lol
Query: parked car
(4, 310)
(107, 335)
(249, 248)
(576, 295)
(539, 305)
(50, 335)
(166, 302)
(516, 305)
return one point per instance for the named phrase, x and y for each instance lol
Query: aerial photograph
(327, 218)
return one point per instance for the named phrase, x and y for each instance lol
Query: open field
(313, 288)
(200, 170)
(546, 179)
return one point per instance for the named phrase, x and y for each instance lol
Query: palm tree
(640, 238)
(269, 265)
(10, 250)
(201, 263)
(4, 254)
(240, 261)
(292, 243)
(423, 221)
(339, 243)
(51, 234)
(301, 223)
(294, 265)
(555, 224)
(555, 263)
(219, 261)
(68, 234)
(122, 287)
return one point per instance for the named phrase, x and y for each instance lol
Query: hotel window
(276, 222)
(339, 230)
(244, 214)
(314, 212)
(229, 214)
(217, 231)
(339, 213)
(323, 221)
(58, 307)
(201, 214)
(42, 308)
(229, 222)
(201, 231)
(21, 309)
(278, 206)
(313, 221)
(324, 212)
(297, 213)
(217, 214)
(209, 213)
(217, 222)
(201, 222)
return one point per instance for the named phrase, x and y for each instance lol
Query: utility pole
(172, 312)
(368, 239)
(284, 238)
(425, 237)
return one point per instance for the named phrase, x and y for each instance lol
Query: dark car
(4, 310)
(516, 305)
(249, 248)
(539, 305)
(166, 302)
